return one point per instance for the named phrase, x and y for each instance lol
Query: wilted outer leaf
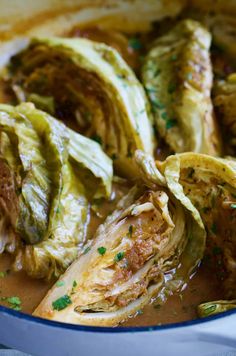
(177, 75)
(67, 213)
(32, 221)
(210, 184)
(99, 92)
(149, 236)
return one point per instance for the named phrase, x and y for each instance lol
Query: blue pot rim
(119, 329)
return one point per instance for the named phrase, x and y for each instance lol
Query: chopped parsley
(171, 123)
(102, 250)
(97, 139)
(61, 303)
(13, 302)
(119, 256)
(60, 283)
(164, 115)
(135, 44)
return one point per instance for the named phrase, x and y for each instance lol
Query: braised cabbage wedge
(90, 87)
(224, 99)
(145, 250)
(210, 184)
(47, 205)
(177, 76)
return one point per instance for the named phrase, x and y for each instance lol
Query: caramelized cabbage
(44, 163)
(92, 89)
(146, 249)
(177, 75)
(210, 184)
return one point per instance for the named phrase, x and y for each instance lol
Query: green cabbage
(210, 184)
(92, 89)
(47, 162)
(147, 248)
(177, 76)
(32, 221)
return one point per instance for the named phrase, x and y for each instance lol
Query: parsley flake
(60, 283)
(97, 139)
(61, 303)
(171, 123)
(102, 250)
(119, 256)
(135, 44)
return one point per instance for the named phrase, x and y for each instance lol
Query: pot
(209, 336)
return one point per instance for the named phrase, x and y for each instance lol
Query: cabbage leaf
(177, 76)
(146, 249)
(93, 90)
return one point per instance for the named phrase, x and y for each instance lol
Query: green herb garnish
(135, 43)
(170, 124)
(164, 115)
(60, 283)
(14, 302)
(102, 250)
(61, 303)
(97, 139)
(119, 256)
